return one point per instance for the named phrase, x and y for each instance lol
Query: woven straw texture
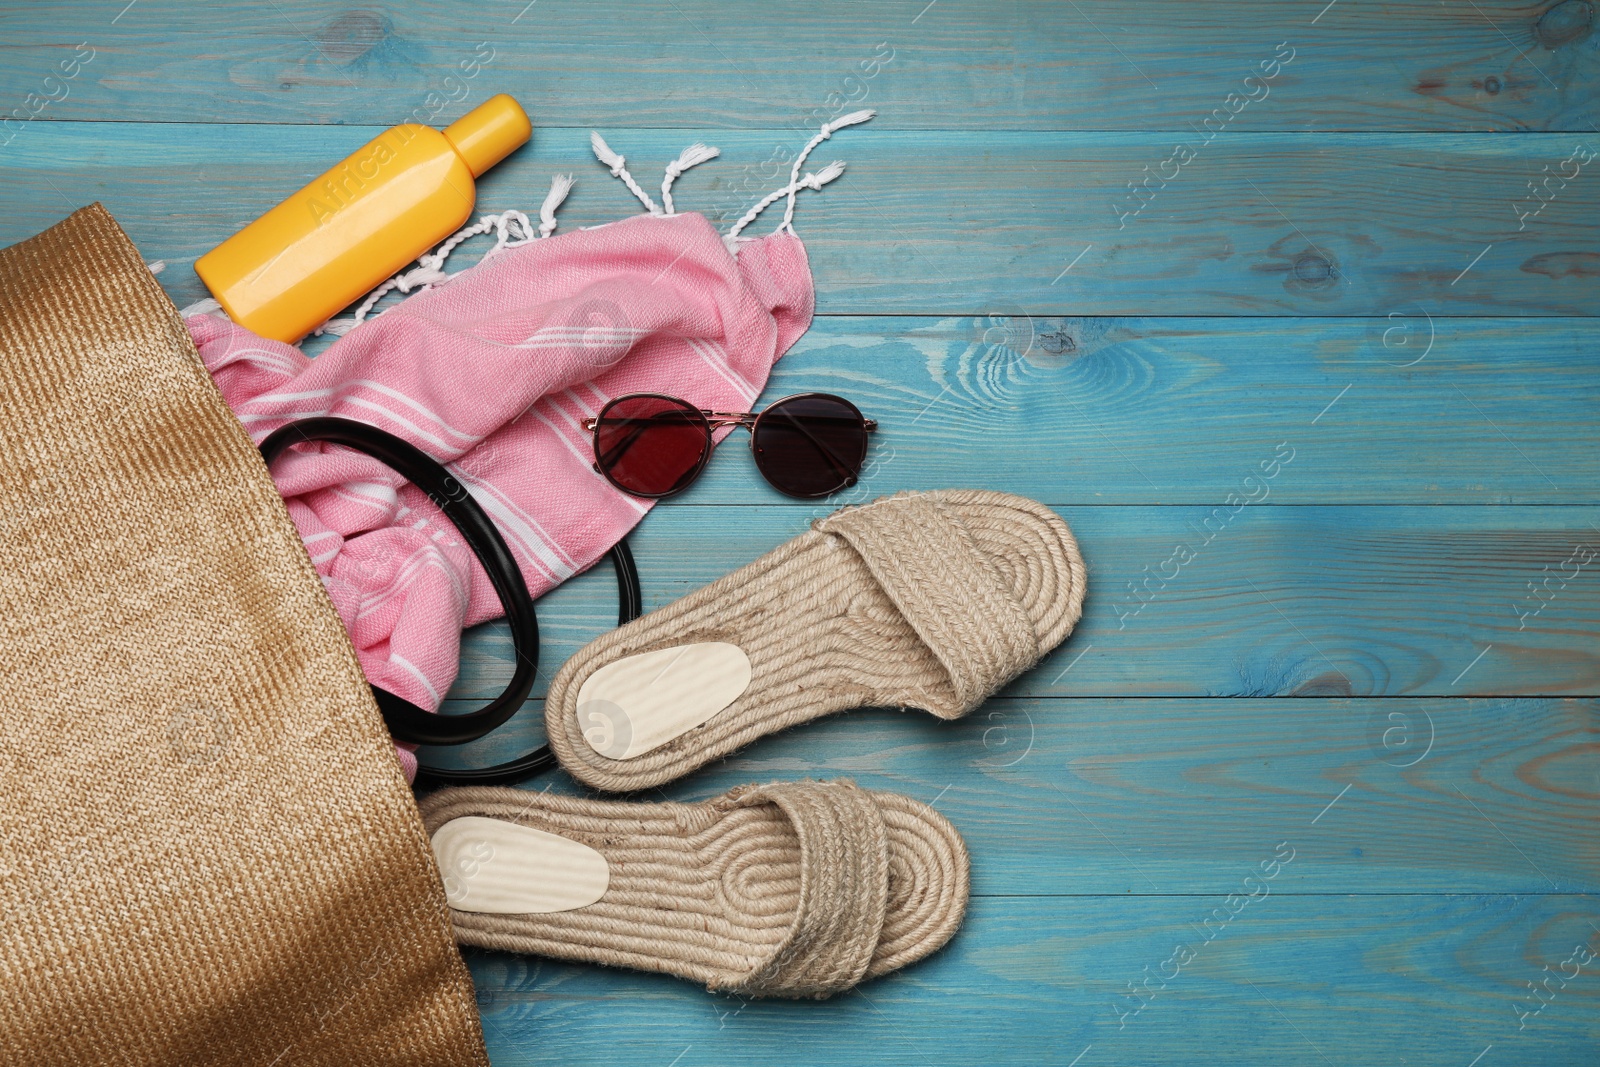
(207, 851)
(925, 600)
(795, 889)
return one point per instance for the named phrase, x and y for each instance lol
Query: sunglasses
(808, 445)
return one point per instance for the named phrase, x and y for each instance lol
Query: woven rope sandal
(796, 889)
(926, 600)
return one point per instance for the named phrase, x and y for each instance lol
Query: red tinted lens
(651, 445)
(811, 445)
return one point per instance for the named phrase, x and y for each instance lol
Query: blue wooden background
(1385, 667)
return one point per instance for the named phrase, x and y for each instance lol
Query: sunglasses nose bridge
(718, 419)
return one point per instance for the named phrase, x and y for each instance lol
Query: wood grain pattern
(975, 223)
(1036, 65)
(1087, 796)
(1282, 601)
(1179, 411)
(1030, 980)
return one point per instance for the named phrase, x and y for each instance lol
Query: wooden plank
(1395, 410)
(1092, 64)
(1029, 981)
(974, 223)
(1285, 601)
(1076, 797)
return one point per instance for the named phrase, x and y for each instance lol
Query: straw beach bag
(208, 853)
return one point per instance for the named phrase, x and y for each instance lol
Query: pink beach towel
(492, 371)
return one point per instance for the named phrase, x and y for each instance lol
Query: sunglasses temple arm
(605, 459)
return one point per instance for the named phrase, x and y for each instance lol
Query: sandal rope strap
(844, 889)
(924, 558)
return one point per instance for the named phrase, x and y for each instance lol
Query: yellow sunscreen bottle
(399, 195)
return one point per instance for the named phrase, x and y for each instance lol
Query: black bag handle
(405, 720)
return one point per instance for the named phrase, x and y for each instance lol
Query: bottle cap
(489, 133)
